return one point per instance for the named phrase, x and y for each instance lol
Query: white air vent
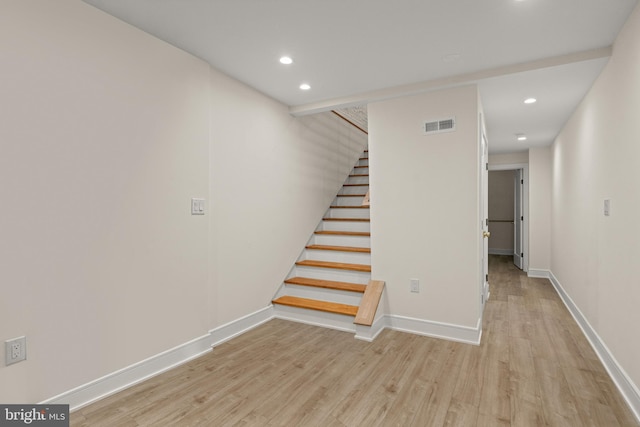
(440, 126)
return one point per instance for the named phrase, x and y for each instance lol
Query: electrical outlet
(15, 350)
(414, 285)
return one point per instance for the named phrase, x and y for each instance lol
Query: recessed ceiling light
(521, 137)
(286, 60)
(530, 100)
(305, 86)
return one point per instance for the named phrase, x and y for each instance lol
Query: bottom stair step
(330, 307)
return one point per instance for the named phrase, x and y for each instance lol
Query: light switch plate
(197, 206)
(607, 207)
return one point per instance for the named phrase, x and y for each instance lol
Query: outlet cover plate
(15, 350)
(414, 285)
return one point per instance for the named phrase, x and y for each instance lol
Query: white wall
(519, 157)
(540, 208)
(272, 178)
(106, 134)
(597, 157)
(424, 211)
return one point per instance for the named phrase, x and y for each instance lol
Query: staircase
(327, 283)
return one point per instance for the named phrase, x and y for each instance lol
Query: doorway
(508, 212)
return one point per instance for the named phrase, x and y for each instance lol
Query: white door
(518, 218)
(484, 215)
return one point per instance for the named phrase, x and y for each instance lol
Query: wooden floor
(533, 368)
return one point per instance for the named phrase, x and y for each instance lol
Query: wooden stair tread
(348, 219)
(331, 307)
(339, 248)
(327, 284)
(349, 207)
(358, 175)
(360, 167)
(344, 233)
(337, 265)
(369, 303)
(351, 195)
(355, 185)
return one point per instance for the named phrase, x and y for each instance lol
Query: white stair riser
(314, 317)
(330, 295)
(348, 201)
(345, 226)
(337, 256)
(333, 274)
(347, 213)
(333, 240)
(354, 190)
(331, 320)
(358, 180)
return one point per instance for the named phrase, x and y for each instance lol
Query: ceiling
(352, 52)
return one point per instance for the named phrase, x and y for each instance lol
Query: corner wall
(424, 209)
(594, 258)
(540, 211)
(105, 138)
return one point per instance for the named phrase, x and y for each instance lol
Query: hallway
(533, 368)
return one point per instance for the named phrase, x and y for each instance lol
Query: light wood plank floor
(534, 368)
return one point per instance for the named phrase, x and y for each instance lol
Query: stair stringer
(369, 333)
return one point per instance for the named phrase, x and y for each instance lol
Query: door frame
(525, 203)
(484, 218)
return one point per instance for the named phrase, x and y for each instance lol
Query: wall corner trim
(628, 389)
(369, 333)
(114, 382)
(429, 328)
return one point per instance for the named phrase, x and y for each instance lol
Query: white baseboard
(240, 326)
(131, 375)
(627, 388)
(117, 381)
(369, 333)
(463, 334)
(496, 251)
(539, 273)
